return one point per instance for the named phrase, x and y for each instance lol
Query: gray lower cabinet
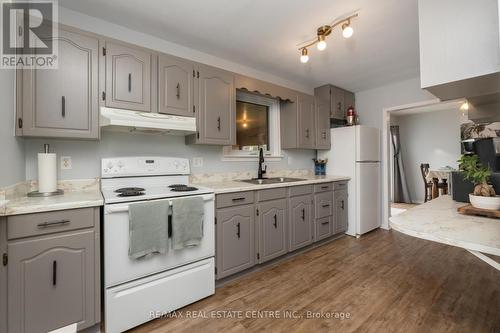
(62, 102)
(300, 209)
(235, 239)
(128, 76)
(341, 219)
(215, 107)
(272, 225)
(53, 270)
(176, 86)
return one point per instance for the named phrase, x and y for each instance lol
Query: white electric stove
(136, 289)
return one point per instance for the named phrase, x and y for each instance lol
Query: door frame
(386, 149)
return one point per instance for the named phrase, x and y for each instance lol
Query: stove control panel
(143, 166)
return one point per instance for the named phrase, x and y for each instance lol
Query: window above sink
(257, 126)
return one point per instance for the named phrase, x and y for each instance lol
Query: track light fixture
(322, 33)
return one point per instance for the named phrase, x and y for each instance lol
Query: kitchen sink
(274, 180)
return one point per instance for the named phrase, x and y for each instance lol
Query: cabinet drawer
(340, 186)
(234, 199)
(272, 193)
(300, 190)
(324, 204)
(45, 223)
(323, 187)
(323, 228)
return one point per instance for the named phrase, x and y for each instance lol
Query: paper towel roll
(47, 172)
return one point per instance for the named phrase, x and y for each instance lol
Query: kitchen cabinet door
(217, 107)
(337, 108)
(322, 110)
(272, 229)
(300, 209)
(128, 77)
(51, 282)
(62, 102)
(235, 240)
(306, 122)
(341, 220)
(348, 101)
(176, 79)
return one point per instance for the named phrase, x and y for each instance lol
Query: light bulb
(304, 57)
(321, 45)
(347, 31)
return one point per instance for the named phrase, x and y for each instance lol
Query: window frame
(230, 154)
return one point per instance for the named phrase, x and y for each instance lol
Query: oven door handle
(113, 208)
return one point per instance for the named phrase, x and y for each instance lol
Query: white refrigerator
(355, 152)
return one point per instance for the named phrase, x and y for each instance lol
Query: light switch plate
(197, 162)
(66, 163)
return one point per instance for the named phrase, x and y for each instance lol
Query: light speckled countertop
(439, 221)
(77, 194)
(238, 186)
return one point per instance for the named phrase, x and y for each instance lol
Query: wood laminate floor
(385, 281)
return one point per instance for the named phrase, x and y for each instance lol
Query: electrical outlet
(66, 163)
(197, 162)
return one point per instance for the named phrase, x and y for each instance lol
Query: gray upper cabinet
(341, 219)
(235, 239)
(272, 223)
(62, 102)
(322, 116)
(300, 209)
(297, 121)
(339, 100)
(128, 77)
(176, 86)
(337, 109)
(306, 122)
(51, 282)
(216, 107)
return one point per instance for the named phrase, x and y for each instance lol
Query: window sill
(235, 158)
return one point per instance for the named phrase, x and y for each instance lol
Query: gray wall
(86, 155)
(430, 137)
(12, 156)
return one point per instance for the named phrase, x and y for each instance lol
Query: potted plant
(484, 195)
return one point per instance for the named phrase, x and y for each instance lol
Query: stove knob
(110, 165)
(120, 164)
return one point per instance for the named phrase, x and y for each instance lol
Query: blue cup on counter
(319, 167)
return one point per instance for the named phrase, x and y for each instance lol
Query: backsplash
(218, 177)
(86, 155)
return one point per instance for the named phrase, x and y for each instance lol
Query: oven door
(120, 268)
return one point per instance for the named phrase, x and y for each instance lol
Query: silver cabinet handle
(238, 230)
(303, 214)
(238, 199)
(218, 124)
(342, 204)
(129, 82)
(178, 91)
(52, 224)
(323, 135)
(325, 222)
(325, 205)
(63, 106)
(275, 221)
(307, 133)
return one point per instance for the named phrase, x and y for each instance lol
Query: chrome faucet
(260, 171)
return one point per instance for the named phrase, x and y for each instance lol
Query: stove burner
(129, 189)
(184, 189)
(177, 185)
(130, 193)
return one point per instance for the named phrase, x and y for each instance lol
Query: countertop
(77, 194)
(439, 221)
(239, 186)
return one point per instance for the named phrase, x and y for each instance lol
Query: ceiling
(264, 34)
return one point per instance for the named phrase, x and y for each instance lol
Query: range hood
(146, 122)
